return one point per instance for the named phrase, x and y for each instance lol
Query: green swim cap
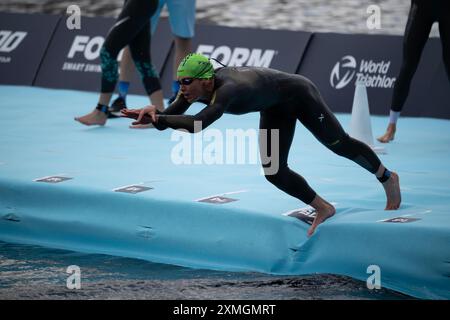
(196, 65)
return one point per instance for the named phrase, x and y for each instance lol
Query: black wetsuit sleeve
(178, 106)
(222, 98)
(192, 123)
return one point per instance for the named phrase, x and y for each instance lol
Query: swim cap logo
(347, 65)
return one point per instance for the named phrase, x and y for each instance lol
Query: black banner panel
(336, 62)
(73, 58)
(23, 41)
(436, 99)
(282, 50)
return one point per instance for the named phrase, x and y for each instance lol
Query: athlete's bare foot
(96, 117)
(324, 210)
(389, 134)
(392, 189)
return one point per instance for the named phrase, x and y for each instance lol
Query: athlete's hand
(148, 111)
(142, 116)
(134, 114)
(130, 113)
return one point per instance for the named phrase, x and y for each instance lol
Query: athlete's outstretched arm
(191, 123)
(147, 114)
(178, 106)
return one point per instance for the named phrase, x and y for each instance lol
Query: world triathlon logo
(345, 67)
(373, 74)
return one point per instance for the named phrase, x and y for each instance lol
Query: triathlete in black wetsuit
(131, 29)
(422, 15)
(281, 99)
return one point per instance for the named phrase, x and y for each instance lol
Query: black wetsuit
(281, 99)
(132, 28)
(422, 15)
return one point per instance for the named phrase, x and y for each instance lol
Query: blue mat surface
(167, 223)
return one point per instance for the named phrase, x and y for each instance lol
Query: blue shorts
(181, 17)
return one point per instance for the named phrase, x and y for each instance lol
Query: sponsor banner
(23, 41)
(435, 101)
(73, 58)
(282, 50)
(336, 62)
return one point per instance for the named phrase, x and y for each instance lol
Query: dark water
(31, 272)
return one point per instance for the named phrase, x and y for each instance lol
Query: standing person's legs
(315, 115)
(134, 16)
(126, 65)
(416, 35)
(140, 51)
(130, 24)
(182, 23)
(183, 46)
(126, 68)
